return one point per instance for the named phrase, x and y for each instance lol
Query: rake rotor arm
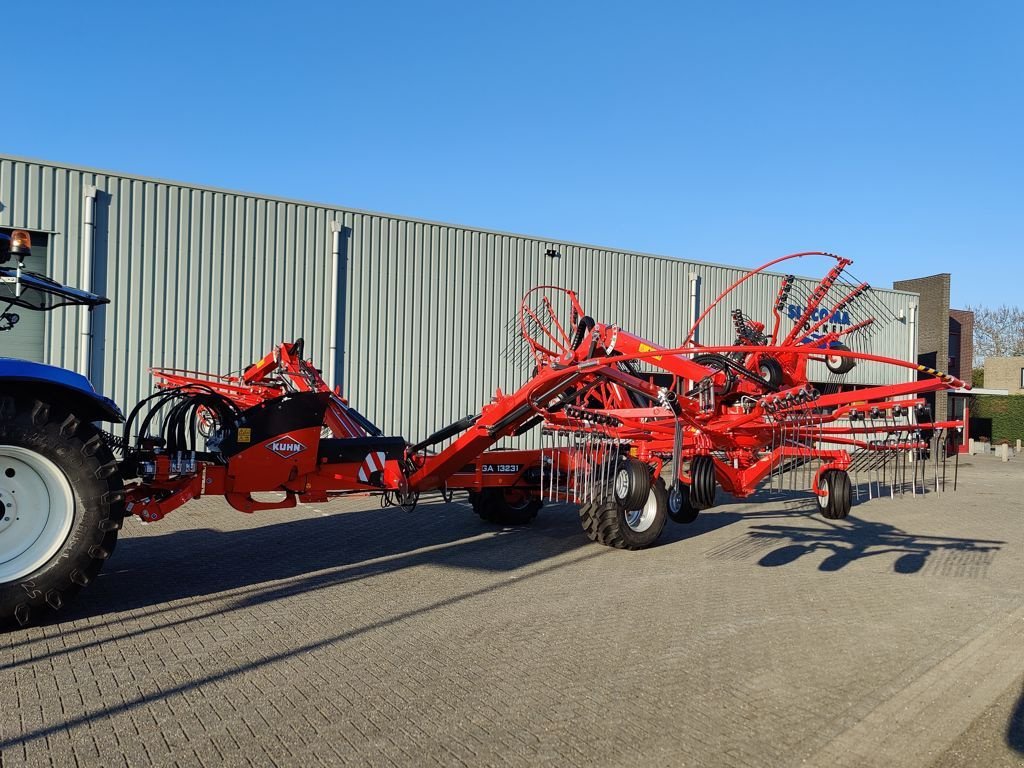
(693, 328)
(632, 347)
(840, 305)
(818, 296)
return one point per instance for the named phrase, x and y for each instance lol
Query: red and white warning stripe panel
(374, 462)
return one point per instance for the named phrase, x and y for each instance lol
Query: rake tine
(604, 471)
(956, 467)
(542, 466)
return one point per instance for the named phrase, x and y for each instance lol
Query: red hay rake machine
(633, 432)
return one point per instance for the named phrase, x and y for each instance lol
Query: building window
(1022, 378)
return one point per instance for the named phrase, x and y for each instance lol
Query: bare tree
(998, 332)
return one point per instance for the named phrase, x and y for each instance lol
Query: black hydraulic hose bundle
(178, 425)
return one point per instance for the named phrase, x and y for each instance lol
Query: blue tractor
(61, 488)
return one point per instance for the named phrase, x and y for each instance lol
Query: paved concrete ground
(758, 636)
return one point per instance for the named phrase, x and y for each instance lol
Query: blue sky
(892, 133)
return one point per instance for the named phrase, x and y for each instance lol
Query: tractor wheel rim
(38, 511)
(641, 519)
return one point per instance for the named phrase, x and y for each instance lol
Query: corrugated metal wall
(208, 279)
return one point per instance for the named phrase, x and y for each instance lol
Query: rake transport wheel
(769, 369)
(505, 506)
(835, 504)
(62, 502)
(632, 483)
(703, 484)
(614, 525)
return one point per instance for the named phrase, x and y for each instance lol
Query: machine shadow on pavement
(312, 553)
(261, 564)
(845, 541)
(1015, 728)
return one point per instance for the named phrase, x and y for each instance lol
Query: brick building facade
(945, 338)
(1005, 373)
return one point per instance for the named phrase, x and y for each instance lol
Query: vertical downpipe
(85, 316)
(912, 325)
(333, 316)
(694, 314)
(694, 309)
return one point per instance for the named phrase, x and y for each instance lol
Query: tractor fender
(57, 385)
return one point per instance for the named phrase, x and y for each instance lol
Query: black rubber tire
(78, 450)
(703, 485)
(680, 510)
(769, 369)
(500, 507)
(632, 483)
(589, 520)
(835, 505)
(840, 365)
(606, 522)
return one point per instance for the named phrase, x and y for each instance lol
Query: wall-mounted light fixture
(551, 253)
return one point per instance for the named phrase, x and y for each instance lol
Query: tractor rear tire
(613, 525)
(835, 504)
(62, 499)
(505, 506)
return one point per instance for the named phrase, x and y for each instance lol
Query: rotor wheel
(703, 483)
(837, 497)
(769, 369)
(838, 364)
(680, 509)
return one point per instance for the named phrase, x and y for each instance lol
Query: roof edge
(364, 212)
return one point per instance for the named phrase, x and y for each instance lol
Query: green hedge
(1006, 412)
